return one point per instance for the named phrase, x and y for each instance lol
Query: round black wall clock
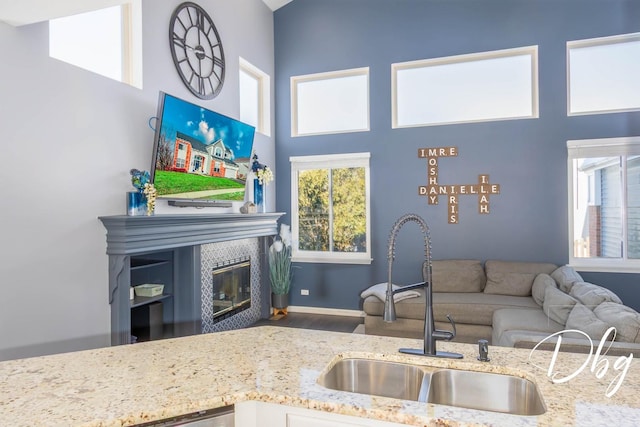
(197, 50)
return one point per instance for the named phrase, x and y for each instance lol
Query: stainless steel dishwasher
(218, 417)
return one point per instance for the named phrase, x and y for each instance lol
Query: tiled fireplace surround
(198, 241)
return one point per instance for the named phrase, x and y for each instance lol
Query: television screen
(199, 154)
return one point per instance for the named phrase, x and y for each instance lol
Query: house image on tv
(193, 156)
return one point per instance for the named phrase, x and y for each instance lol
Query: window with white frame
(496, 85)
(255, 97)
(602, 75)
(333, 102)
(105, 41)
(604, 204)
(330, 208)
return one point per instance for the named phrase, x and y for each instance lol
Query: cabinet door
(295, 420)
(260, 414)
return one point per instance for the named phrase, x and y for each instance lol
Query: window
(106, 41)
(603, 75)
(255, 97)
(330, 208)
(604, 204)
(495, 85)
(333, 102)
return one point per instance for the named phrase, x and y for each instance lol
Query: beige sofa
(516, 304)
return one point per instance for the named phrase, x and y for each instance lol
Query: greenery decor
(280, 262)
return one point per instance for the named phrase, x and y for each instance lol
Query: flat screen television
(198, 154)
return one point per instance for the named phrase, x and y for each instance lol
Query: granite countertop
(130, 384)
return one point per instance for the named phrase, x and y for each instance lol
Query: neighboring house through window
(330, 207)
(604, 204)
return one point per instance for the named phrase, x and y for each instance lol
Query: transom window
(604, 204)
(603, 74)
(330, 208)
(255, 97)
(332, 102)
(496, 85)
(106, 41)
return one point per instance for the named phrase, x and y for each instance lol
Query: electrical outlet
(304, 291)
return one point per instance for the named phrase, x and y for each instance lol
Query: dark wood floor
(314, 321)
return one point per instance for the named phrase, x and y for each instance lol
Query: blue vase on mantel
(258, 196)
(136, 203)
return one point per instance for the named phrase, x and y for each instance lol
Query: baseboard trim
(326, 311)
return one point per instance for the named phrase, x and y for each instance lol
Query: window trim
(329, 161)
(598, 41)
(464, 58)
(623, 146)
(295, 80)
(264, 95)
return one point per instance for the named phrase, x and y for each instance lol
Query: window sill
(599, 267)
(331, 259)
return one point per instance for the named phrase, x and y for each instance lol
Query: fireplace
(231, 288)
(197, 242)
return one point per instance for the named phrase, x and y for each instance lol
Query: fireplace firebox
(231, 283)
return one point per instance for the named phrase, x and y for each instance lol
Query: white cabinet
(261, 414)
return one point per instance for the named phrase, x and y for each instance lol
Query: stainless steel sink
(466, 389)
(485, 391)
(376, 377)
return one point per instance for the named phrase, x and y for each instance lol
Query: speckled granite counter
(130, 384)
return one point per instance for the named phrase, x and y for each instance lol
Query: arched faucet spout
(431, 334)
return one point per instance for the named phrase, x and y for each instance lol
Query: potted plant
(280, 270)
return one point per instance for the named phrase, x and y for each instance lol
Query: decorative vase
(136, 203)
(258, 195)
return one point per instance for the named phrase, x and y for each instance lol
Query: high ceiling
(23, 12)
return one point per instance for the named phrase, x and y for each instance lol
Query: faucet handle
(453, 324)
(483, 350)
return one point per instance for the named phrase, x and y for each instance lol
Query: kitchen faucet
(431, 334)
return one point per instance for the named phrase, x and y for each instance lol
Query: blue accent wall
(528, 158)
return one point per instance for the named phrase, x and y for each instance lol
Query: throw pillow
(457, 276)
(540, 284)
(592, 295)
(585, 320)
(557, 305)
(565, 276)
(625, 319)
(512, 277)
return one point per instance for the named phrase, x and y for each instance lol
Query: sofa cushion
(513, 278)
(468, 308)
(457, 276)
(625, 319)
(509, 319)
(475, 308)
(410, 308)
(565, 276)
(592, 295)
(540, 283)
(583, 319)
(557, 305)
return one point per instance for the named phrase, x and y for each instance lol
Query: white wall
(68, 138)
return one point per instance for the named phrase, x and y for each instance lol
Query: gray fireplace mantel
(135, 234)
(129, 236)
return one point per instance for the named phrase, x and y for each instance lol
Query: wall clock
(197, 50)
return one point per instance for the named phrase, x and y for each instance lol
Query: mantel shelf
(134, 234)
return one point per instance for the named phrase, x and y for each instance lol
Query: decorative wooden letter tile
(483, 189)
